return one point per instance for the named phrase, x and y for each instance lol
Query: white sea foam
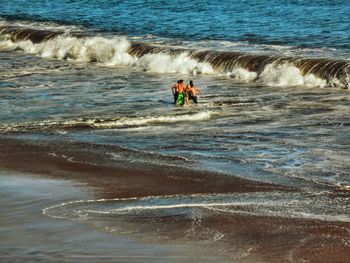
(108, 123)
(200, 116)
(51, 26)
(182, 63)
(147, 120)
(114, 52)
(92, 49)
(283, 75)
(109, 52)
(243, 74)
(286, 205)
(289, 75)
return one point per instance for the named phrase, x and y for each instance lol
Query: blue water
(297, 23)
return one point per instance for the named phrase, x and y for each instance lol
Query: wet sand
(26, 235)
(244, 238)
(91, 164)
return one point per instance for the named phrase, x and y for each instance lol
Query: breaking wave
(119, 51)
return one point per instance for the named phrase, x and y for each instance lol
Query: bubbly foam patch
(289, 75)
(283, 75)
(92, 49)
(202, 217)
(107, 123)
(287, 205)
(109, 52)
(200, 116)
(182, 63)
(243, 75)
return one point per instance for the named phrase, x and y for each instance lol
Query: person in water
(191, 93)
(173, 90)
(177, 89)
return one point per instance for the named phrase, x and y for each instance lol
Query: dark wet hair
(191, 83)
(179, 81)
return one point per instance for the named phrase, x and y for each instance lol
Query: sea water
(285, 123)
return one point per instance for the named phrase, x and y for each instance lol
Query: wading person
(179, 92)
(174, 90)
(191, 92)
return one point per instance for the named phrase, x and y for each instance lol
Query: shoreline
(91, 164)
(244, 238)
(23, 196)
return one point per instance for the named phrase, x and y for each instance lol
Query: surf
(268, 69)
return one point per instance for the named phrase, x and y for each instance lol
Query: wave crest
(119, 51)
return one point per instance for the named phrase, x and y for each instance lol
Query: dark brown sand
(91, 164)
(245, 239)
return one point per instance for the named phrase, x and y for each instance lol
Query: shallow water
(23, 197)
(290, 135)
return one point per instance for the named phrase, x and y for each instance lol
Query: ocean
(85, 88)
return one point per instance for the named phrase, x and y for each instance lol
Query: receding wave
(276, 204)
(106, 123)
(119, 51)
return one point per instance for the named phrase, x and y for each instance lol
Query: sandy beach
(29, 236)
(43, 179)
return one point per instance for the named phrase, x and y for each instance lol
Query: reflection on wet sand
(29, 236)
(238, 236)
